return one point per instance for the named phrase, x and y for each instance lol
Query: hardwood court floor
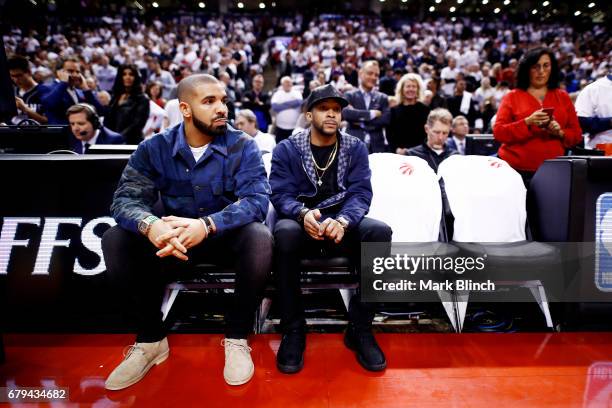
(424, 370)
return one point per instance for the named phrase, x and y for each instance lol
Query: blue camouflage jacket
(228, 183)
(293, 177)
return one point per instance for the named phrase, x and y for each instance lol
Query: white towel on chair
(487, 198)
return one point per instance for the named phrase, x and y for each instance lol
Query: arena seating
(554, 210)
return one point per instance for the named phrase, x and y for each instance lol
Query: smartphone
(549, 112)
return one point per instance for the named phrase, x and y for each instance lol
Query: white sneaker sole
(240, 382)
(160, 359)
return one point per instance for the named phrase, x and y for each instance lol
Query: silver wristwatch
(144, 225)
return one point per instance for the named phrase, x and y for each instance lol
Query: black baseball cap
(321, 93)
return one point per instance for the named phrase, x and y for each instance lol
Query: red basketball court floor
(424, 370)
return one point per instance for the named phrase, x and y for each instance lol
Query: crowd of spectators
(128, 71)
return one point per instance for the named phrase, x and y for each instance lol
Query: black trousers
(281, 134)
(140, 276)
(292, 243)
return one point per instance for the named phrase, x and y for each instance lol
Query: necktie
(86, 147)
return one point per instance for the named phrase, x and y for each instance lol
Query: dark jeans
(141, 276)
(281, 134)
(292, 243)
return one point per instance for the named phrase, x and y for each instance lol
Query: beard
(210, 130)
(321, 129)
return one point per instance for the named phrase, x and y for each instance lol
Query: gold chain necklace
(332, 156)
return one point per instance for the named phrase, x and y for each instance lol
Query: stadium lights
(273, 4)
(591, 5)
(382, 1)
(534, 12)
(452, 9)
(546, 3)
(438, 1)
(240, 5)
(577, 13)
(404, 1)
(432, 9)
(459, 1)
(506, 2)
(155, 4)
(262, 5)
(485, 2)
(454, 19)
(497, 10)
(201, 4)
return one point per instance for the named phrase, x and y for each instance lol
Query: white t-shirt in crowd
(167, 81)
(265, 141)
(487, 198)
(447, 74)
(287, 118)
(482, 94)
(106, 76)
(595, 101)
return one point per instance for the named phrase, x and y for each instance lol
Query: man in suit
(87, 129)
(368, 111)
(71, 88)
(460, 128)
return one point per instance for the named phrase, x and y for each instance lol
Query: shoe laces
(129, 350)
(234, 345)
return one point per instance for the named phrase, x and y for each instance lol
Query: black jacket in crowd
(129, 118)
(430, 156)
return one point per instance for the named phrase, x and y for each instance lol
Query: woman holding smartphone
(536, 121)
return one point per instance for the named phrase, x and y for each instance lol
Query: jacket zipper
(308, 177)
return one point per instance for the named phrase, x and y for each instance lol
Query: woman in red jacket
(537, 120)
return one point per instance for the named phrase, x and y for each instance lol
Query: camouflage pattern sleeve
(136, 193)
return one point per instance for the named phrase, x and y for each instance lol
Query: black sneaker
(290, 356)
(368, 353)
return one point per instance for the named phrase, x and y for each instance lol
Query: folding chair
(488, 201)
(407, 196)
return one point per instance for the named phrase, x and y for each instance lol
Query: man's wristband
(302, 214)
